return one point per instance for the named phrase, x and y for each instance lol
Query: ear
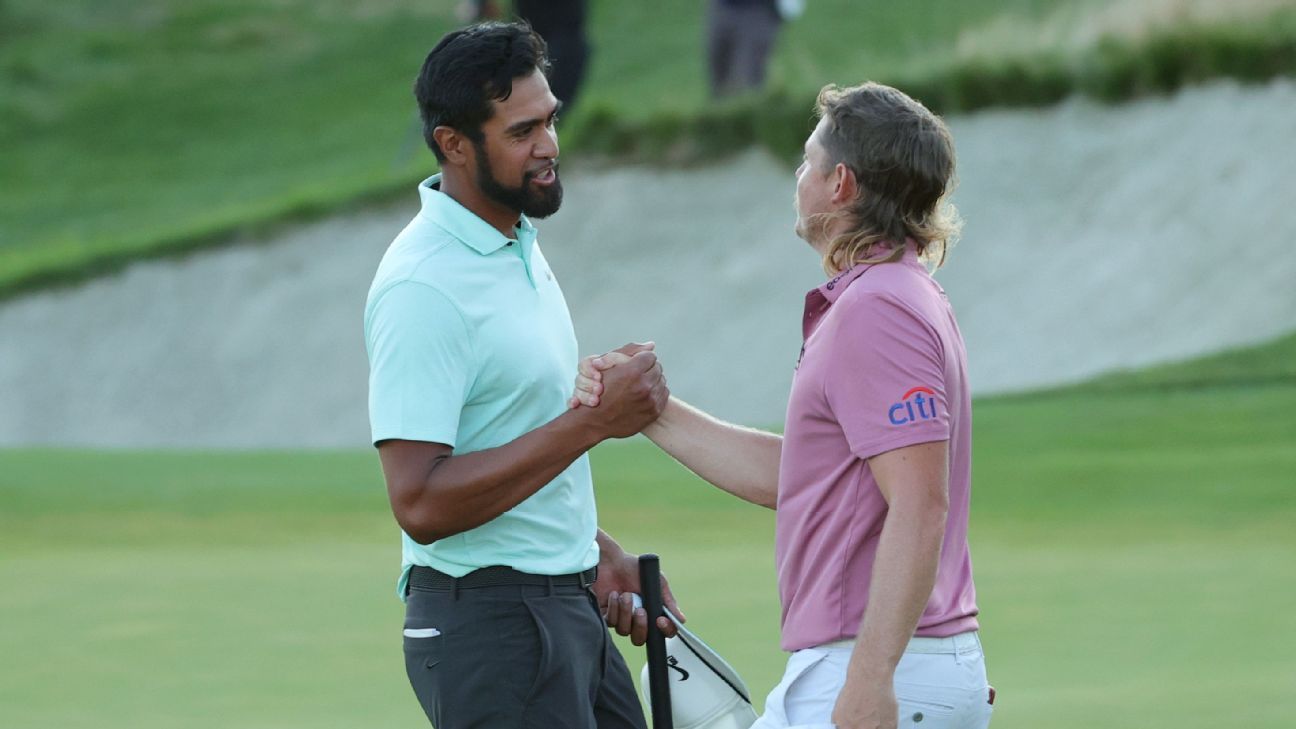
(847, 187)
(454, 145)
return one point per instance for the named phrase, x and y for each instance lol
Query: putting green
(1133, 550)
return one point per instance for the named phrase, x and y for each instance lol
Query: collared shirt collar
(464, 225)
(835, 286)
(818, 299)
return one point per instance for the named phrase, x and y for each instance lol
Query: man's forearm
(742, 461)
(904, 573)
(461, 492)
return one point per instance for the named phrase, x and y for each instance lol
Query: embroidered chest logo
(913, 407)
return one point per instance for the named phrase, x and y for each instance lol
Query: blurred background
(194, 197)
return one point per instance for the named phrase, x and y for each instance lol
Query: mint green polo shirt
(471, 344)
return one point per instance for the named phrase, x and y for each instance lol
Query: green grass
(1133, 548)
(137, 125)
(650, 58)
(131, 129)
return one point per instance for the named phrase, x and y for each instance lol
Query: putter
(658, 679)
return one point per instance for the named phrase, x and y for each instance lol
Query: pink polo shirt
(883, 367)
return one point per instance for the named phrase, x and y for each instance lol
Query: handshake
(622, 392)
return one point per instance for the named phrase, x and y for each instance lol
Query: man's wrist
(871, 672)
(657, 428)
(608, 547)
(867, 667)
(580, 427)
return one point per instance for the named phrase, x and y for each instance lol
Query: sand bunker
(1096, 238)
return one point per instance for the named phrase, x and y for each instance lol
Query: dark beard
(539, 203)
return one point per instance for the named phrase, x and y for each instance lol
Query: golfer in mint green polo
(475, 373)
(471, 351)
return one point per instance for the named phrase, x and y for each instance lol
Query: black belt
(426, 578)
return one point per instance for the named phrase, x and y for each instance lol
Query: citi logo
(913, 407)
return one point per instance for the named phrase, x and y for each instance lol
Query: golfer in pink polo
(871, 479)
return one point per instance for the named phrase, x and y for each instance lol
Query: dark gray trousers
(516, 656)
(740, 39)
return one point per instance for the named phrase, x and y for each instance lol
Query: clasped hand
(638, 389)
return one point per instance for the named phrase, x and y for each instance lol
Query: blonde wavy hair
(903, 159)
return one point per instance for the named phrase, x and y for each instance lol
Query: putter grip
(658, 678)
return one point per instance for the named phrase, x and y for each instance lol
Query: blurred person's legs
(755, 45)
(740, 39)
(562, 25)
(722, 32)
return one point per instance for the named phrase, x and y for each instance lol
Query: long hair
(903, 158)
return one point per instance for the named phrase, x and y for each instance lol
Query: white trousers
(940, 683)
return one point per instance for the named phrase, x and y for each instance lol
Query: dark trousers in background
(740, 39)
(532, 656)
(562, 25)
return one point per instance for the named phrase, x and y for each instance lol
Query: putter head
(706, 692)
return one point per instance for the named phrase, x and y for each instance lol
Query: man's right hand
(631, 395)
(589, 375)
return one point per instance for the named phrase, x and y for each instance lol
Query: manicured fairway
(1135, 554)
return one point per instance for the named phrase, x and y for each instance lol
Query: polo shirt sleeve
(421, 365)
(885, 380)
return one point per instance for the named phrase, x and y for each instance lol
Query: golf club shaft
(658, 678)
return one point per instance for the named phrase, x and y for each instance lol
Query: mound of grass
(133, 129)
(1112, 69)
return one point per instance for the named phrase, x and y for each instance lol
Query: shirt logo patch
(913, 407)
